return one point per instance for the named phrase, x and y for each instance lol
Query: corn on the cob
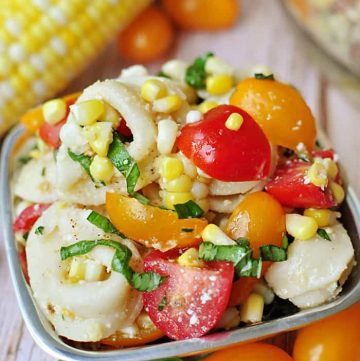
(43, 44)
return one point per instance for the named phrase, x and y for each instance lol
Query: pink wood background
(263, 35)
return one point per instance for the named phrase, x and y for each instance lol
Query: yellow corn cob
(45, 43)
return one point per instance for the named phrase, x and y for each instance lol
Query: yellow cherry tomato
(148, 37)
(251, 352)
(153, 226)
(203, 14)
(279, 109)
(332, 339)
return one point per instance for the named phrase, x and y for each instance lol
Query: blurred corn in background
(45, 43)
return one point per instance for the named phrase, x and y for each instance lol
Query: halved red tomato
(225, 154)
(27, 218)
(191, 300)
(288, 186)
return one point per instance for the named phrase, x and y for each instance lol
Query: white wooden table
(263, 35)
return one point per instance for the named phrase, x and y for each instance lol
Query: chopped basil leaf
(163, 75)
(195, 75)
(84, 160)
(263, 76)
(39, 230)
(162, 304)
(285, 242)
(145, 282)
(273, 253)
(188, 210)
(142, 199)
(122, 160)
(318, 144)
(43, 172)
(25, 236)
(24, 160)
(241, 256)
(187, 230)
(244, 242)
(322, 233)
(103, 223)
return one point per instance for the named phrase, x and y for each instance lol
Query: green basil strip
(103, 223)
(273, 253)
(195, 75)
(285, 242)
(84, 160)
(122, 160)
(142, 199)
(188, 210)
(241, 257)
(242, 241)
(39, 230)
(322, 233)
(263, 76)
(162, 304)
(144, 282)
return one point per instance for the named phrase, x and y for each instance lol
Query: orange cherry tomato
(203, 14)
(332, 339)
(34, 118)
(251, 352)
(279, 109)
(148, 37)
(143, 336)
(261, 219)
(152, 226)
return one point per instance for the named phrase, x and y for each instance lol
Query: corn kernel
(317, 174)
(77, 270)
(101, 169)
(153, 89)
(265, 291)
(168, 104)
(99, 136)
(212, 233)
(252, 309)
(28, 71)
(338, 192)
(171, 168)
(234, 121)
(204, 204)
(110, 115)
(199, 190)
(301, 227)
(94, 271)
(217, 66)
(54, 110)
(218, 84)
(167, 133)
(206, 105)
(6, 66)
(190, 258)
(144, 321)
(331, 168)
(183, 183)
(322, 216)
(189, 167)
(88, 112)
(172, 198)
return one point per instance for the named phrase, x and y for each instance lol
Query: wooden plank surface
(264, 35)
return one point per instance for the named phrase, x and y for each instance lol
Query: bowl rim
(58, 349)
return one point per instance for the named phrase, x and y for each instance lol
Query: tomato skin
(251, 220)
(224, 154)
(26, 219)
(152, 226)
(123, 129)
(250, 352)
(192, 308)
(332, 339)
(203, 14)
(23, 263)
(288, 187)
(279, 109)
(148, 37)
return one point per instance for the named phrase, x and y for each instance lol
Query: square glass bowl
(44, 335)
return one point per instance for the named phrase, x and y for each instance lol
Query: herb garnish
(39, 230)
(122, 160)
(103, 223)
(84, 160)
(25, 159)
(25, 236)
(263, 76)
(162, 304)
(322, 233)
(273, 253)
(188, 210)
(144, 282)
(187, 230)
(195, 74)
(163, 75)
(43, 172)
